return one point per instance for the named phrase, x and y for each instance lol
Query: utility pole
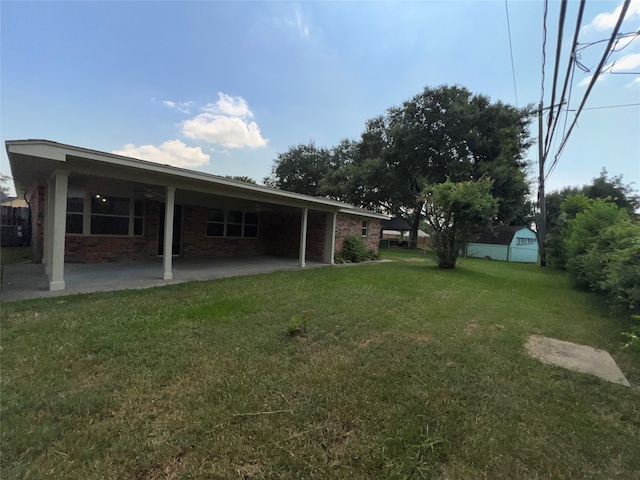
(542, 203)
(542, 200)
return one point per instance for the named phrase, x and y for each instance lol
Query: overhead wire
(552, 106)
(513, 68)
(594, 78)
(544, 43)
(570, 64)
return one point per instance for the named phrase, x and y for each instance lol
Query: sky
(223, 87)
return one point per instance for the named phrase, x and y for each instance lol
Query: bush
(354, 250)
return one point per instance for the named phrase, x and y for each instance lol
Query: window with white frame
(365, 228)
(75, 213)
(231, 223)
(107, 215)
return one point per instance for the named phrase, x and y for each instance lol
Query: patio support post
(303, 238)
(168, 233)
(59, 226)
(330, 238)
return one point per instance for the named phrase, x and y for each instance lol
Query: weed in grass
(297, 326)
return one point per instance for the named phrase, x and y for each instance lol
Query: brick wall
(99, 249)
(348, 225)
(36, 202)
(196, 243)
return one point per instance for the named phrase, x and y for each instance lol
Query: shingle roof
(396, 223)
(497, 235)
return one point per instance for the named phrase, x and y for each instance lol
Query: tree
(454, 212)
(241, 178)
(564, 205)
(4, 186)
(585, 254)
(300, 169)
(441, 133)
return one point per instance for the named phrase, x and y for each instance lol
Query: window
(232, 223)
(106, 215)
(365, 228)
(75, 213)
(525, 241)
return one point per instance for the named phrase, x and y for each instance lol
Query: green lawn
(404, 371)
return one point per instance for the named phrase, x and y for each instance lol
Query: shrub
(354, 250)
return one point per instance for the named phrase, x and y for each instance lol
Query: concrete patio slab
(28, 280)
(579, 358)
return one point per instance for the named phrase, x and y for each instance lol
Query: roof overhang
(33, 162)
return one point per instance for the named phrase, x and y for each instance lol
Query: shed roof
(498, 235)
(395, 223)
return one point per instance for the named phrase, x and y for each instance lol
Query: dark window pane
(74, 223)
(138, 225)
(109, 225)
(234, 230)
(251, 231)
(215, 229)
(251, 218)
(215, 215)
(138, 208)
(75, 204)
(109, 205)
(234, 216)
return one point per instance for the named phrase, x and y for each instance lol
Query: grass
(404, 370)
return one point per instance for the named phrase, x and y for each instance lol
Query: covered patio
(28, 280)
(100, 213)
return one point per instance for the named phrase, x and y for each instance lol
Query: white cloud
(607, 20)
(182, 107)
(625, 63)
(228, 105)
(628, 62)
(295, 22)
(228, 131)
(171, 152)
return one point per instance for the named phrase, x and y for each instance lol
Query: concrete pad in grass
(579, 358)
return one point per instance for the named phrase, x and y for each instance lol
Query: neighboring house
(89, 206)
(15, 227)
(398, 230)
(509, 244)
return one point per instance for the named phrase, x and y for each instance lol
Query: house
(89, 206)
(509, 244)
(15, 225)
(398, 231)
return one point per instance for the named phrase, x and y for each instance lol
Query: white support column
(59, 224)
(303, 238)
(168, 233)
(330, 238)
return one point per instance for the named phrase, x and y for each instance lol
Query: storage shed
(508, 244)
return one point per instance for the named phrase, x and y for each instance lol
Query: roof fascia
(58, 151)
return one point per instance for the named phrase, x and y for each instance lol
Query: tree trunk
(446, 250)
(417, 215)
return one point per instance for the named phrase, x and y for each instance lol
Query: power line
(561, 19)
(609, 106)
(594, 78)
(567, 75)
(544, 44)
(513, 68)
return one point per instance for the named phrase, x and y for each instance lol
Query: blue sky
(222, 87)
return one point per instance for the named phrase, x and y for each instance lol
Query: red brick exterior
(349, 225)
(36, 203)
(278, 235)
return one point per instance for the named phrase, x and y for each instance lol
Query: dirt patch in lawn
(579, 358)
